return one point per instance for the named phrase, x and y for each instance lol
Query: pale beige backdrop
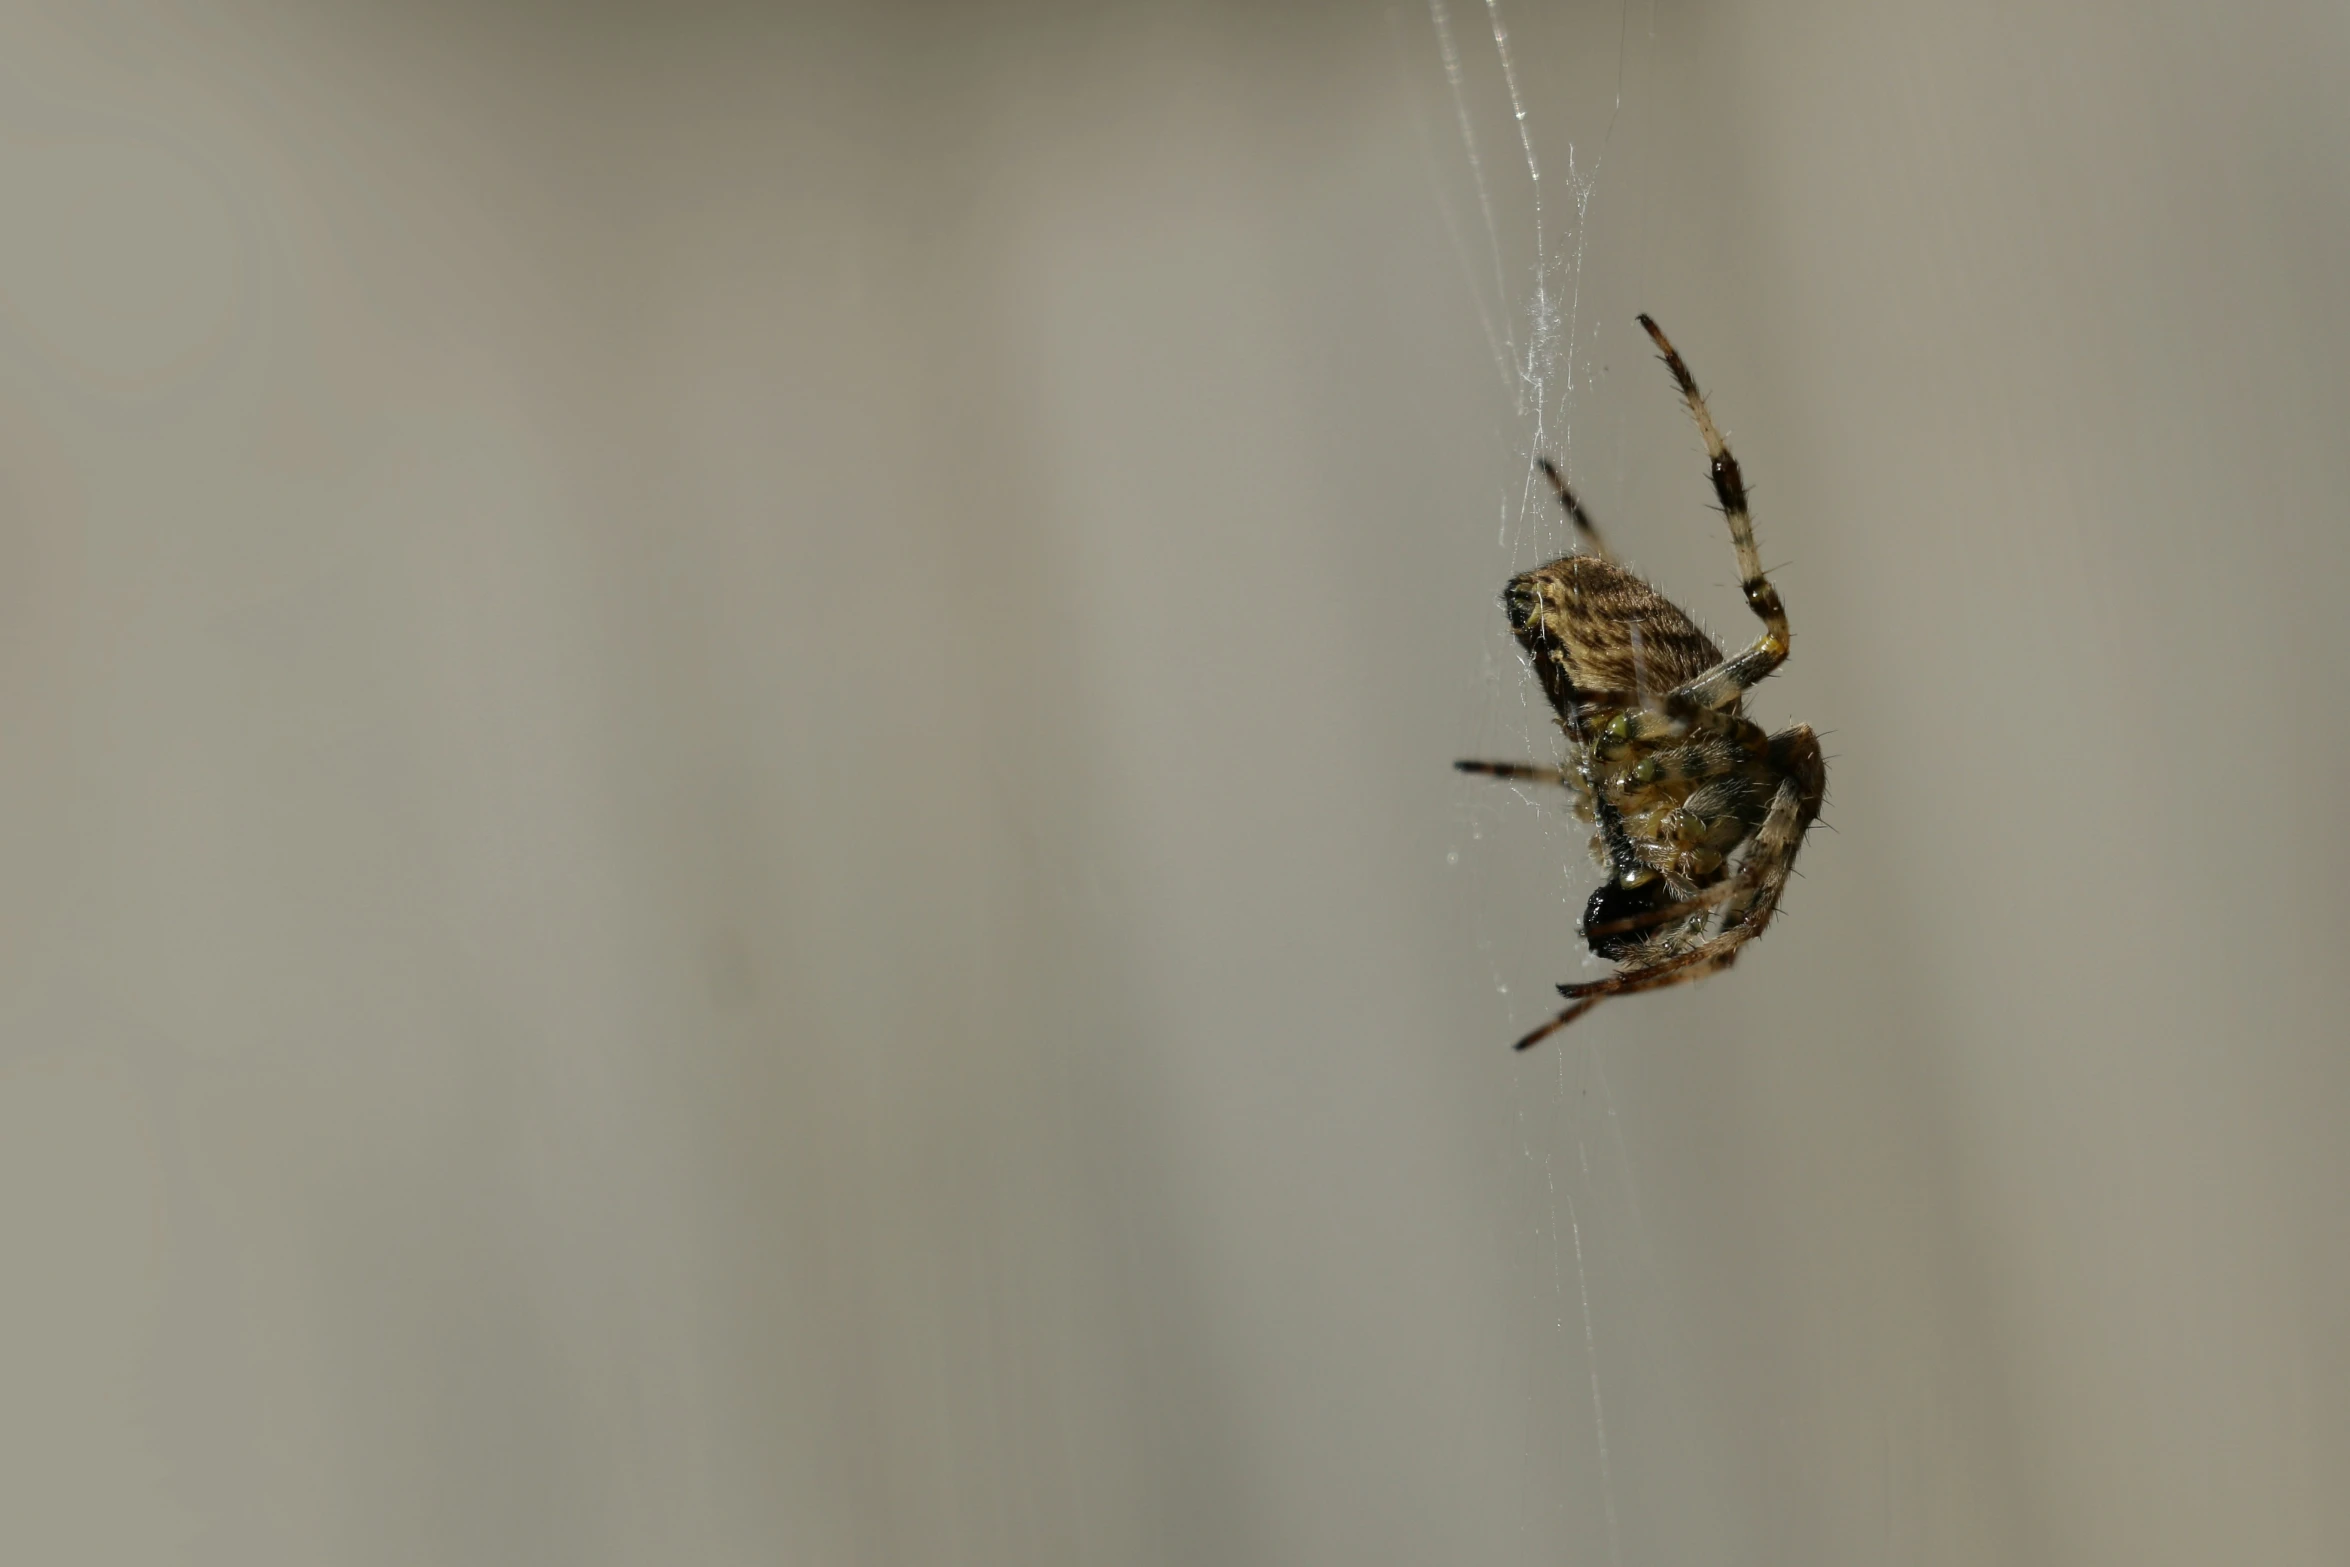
(724, 819)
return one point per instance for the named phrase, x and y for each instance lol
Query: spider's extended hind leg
(1574, 509)
(1723, 684)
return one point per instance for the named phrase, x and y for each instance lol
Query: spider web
(1527, 143)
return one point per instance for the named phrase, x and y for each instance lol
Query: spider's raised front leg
(1726, 681)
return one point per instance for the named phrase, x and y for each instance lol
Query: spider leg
(1524, 772)
(1716, 953)
(1722, 684)
(1574, 509)
(1567, 1014)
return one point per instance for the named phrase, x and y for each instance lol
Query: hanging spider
(1661, 760)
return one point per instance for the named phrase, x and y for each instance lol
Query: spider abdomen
(1601, 637)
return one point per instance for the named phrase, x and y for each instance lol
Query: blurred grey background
(725, 815)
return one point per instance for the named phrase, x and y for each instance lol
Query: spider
(1660, 759)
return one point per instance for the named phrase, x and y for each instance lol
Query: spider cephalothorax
(1696, 813)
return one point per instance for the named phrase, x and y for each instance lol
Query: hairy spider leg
(1568, 1014)
(1574, 508)
(1524, 772)
(1723, 683)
